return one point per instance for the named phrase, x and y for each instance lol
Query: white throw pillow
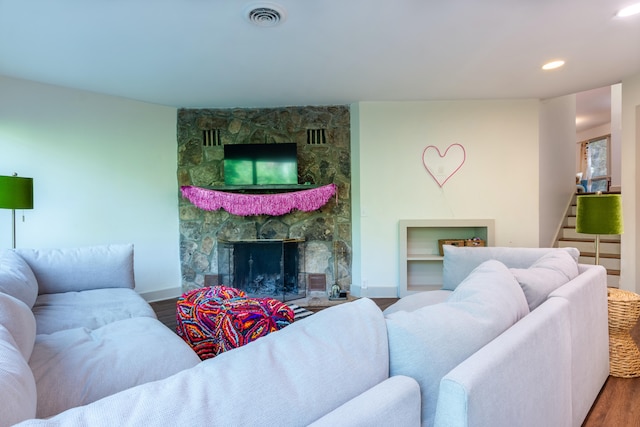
(547, 274)
(459, 262)
(17, 386)
(427, 343)
(16, 278)
(79, 269)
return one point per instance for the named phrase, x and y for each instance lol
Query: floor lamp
(15, 193)
(599, 214)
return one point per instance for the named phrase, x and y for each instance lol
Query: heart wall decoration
(440, 166)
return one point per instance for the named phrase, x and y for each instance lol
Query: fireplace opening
(263, 267)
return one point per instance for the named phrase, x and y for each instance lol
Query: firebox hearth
(263, 267)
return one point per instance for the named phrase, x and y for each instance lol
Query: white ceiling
(204, 53)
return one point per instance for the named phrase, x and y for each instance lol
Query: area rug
(299, 312)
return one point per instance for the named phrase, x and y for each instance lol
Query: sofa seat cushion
(88, 309)
(427, 343)
(459, 262)
(16, 278)
(18, 320)
(547, 274)
(290, 378)
(78, 366)
(418, 300)
(78, 269)
(17, 385)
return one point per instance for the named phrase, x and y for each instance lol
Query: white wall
(104, 171)
(616, 135)
(498, 181)
(630, 246)
(557, 157)
(593, 132)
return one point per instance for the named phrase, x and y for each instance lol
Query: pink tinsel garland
(259, 204)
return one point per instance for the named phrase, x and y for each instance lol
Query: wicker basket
(624, 310)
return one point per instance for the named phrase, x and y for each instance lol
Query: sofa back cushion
(460, 261)
(19, 321)
(78, 269)
(547, 274)
(17, 385)
(427, 343)
(16, 278)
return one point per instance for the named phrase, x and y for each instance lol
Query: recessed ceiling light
(633, 9)
(553, 65)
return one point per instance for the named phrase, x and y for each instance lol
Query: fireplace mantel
(262, 189)
(262, 240)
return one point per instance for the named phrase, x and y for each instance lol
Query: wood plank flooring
(618, 404)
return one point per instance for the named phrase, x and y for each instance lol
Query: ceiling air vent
(265, 14)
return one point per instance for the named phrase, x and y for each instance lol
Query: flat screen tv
(261, 164)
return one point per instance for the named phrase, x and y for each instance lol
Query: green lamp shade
(599, 214)
(16, 192)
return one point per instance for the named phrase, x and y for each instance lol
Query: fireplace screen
(263, 268)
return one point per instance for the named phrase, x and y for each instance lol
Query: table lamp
(15, 193)
(599, 214)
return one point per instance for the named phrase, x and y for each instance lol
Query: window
(595, 163)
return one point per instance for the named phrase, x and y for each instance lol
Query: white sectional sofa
(98, 350)
(73, 330)
(545, 369)
(515, 337)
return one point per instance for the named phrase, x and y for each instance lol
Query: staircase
(609, 246)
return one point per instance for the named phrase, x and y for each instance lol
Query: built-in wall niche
(420, 260)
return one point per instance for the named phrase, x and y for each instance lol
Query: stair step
(609, 261)
(606, 247)
(570, 233)
(602, 255)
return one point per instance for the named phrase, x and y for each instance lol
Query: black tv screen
(261, 164)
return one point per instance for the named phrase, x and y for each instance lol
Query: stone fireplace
(322, 135)
(264, 267)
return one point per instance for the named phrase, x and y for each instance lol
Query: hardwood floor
(618, 404)
(166, 312)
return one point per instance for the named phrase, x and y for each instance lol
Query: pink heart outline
(442, 156)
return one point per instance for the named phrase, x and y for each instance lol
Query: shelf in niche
(424, 258)
(263, 189)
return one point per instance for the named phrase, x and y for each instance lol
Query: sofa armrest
(587, 297)
(80, 269)
(395, 401)
(521, 378)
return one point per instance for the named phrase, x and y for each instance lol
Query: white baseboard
(162, 294)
